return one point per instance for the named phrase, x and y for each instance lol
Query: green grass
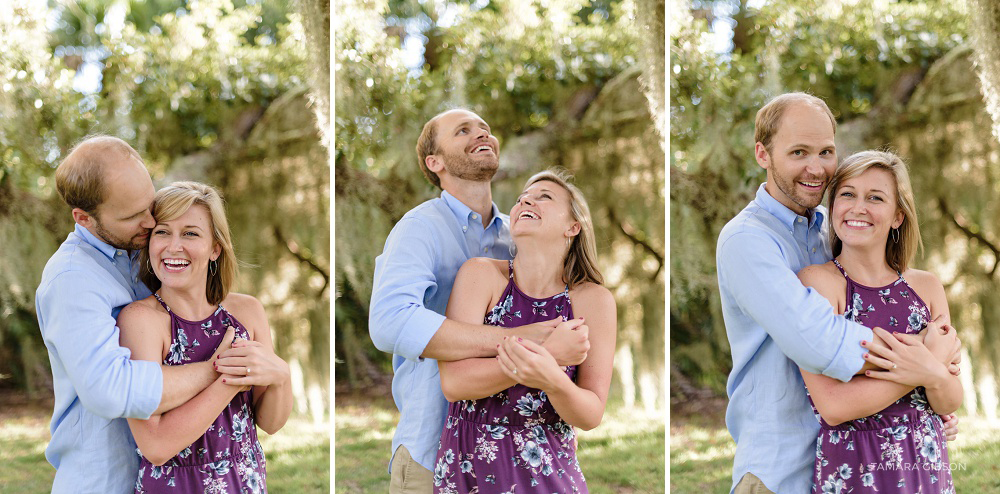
(298, 456)
(625, 454)
(701, 455)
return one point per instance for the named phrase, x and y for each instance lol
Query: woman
(869, 440)
(510, 426)
(190, 266)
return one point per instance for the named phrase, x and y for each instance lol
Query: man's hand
(569, 342)
(950, 426)
(944, 343)
(537, 332)
(225, 344)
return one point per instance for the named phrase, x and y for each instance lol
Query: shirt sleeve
(79, 328)
(799, 320)
(398, 322)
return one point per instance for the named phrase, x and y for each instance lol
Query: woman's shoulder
(925, 283)
(921, 277)
(143, 309)
(591, 294)
(242, 303)
(820, 275)
(484, 266)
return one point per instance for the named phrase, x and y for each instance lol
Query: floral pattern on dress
(228, 458)
(513, 441)
(901, 448)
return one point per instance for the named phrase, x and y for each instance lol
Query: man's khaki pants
(750, 484)
(408, 477)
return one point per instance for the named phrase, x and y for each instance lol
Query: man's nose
(148, 221)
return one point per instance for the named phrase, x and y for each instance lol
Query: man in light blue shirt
(775, 324)
(84, 286)
(413, 281)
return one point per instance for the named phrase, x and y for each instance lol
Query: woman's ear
(898, 221)
(216, 251)
(573, 230)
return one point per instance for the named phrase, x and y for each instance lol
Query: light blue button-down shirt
(413, 280)
(776, 325)
(84, 286)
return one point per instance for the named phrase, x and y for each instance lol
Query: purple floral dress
(227, 458)
(513, 441)
(902, 448)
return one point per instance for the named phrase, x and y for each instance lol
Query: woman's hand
(906, 360)
(250, 363)
(530, 364)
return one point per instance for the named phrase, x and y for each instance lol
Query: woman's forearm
(579, 407)
(273, 405)
(945, 397)
(837, 401)
(472, 379)
(161, 437)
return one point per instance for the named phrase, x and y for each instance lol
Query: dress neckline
(173, 314)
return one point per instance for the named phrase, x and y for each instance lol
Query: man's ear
(763, 157)
(83, 218)
(434, 163)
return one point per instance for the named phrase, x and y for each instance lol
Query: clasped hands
(913, 360)
(246, 363)
(540, 366)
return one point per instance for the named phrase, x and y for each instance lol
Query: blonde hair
(580, 264)
(899, 254)
(80, 176)
(173, 201)
(768, 118)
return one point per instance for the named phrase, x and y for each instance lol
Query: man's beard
(116, 241)
(474, 170)
(788, 187)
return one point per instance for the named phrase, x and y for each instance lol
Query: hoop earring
(895, 235)
(149, 265)
(512, 249)
(213, 267)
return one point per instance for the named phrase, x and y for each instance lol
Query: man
(776, 325)
(84, 286)
(413, 281)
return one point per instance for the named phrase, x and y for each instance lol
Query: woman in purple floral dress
(510, 425)
(879, 435)
(208, 444)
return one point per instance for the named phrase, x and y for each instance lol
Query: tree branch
(630, 233)
(959, 222)
(293, 249)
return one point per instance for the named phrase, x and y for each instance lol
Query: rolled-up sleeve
(799, 320)
(398, 321)
(79, 327)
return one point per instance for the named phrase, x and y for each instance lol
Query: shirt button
(485, 249)
(475, 216)
(800, 219)
(814, 250)
(465, 228)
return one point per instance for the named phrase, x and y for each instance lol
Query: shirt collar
(99, 244)
(785, 215)
(463, 213)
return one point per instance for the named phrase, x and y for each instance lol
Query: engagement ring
(248, 371)
(515, 371)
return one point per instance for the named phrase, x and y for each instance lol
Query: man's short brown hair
(426, 146)
(769, 116)
(80, 176)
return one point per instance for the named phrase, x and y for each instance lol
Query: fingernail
(519, 339)
(868, 373)
(864, 356)
(864, 343)
(223, 381)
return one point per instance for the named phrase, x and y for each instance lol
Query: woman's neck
(538, 269)
(187, 304)
(867, 266)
